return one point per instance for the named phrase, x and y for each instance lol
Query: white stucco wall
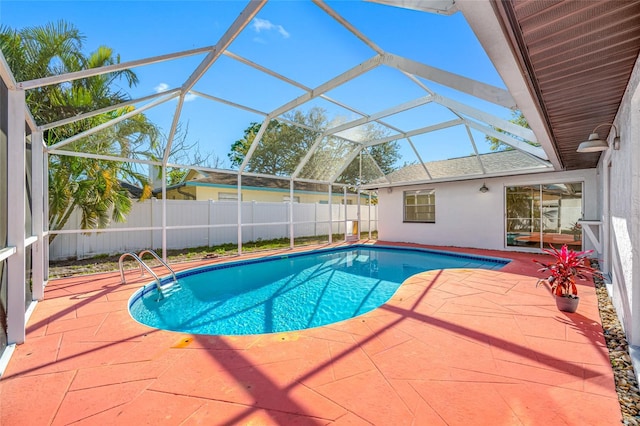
(466, 217)
(619, 177)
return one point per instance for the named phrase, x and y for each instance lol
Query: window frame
(228, 196)
(539, 231)
(415, 193)
(296, 199)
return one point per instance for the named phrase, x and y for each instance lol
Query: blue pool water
(290, 292)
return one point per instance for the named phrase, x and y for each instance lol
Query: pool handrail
(159, 259)
(142, 265)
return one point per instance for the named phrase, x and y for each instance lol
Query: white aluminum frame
(416, 72)
(408, 67)
(16, 237)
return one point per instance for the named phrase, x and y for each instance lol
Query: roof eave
(485, 22)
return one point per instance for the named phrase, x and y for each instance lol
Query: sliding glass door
(539, 216)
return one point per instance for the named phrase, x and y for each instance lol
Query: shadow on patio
(451, 347)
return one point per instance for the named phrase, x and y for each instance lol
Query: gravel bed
(623, 373)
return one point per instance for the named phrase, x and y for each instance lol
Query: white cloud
(260, 25)
(161, 87)
(282, 31)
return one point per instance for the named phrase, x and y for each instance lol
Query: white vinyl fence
(207, 223)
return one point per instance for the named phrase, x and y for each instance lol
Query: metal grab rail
(154, 254)
(142, 265)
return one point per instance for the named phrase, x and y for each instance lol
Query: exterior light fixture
(595, 144)
(484, 188)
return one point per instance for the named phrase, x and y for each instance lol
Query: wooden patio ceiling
(578, 57)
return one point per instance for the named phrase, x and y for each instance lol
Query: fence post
(79, 236)
(358, 214)
(211, 221)
(330, 215)
(239, 204)
(369, 214)
(253, 221)
(291, 213)
(346, 212)
(156, 217)
(164, 211)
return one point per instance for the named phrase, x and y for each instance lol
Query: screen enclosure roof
(361, 94)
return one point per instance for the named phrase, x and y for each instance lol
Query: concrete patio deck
(452, 347)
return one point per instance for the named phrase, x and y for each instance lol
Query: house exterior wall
(619, 179)
(182, 193)
(466, 217)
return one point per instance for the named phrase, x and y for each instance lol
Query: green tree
(270, 156)
(497, 145)
(385, 156)
(283, 146)
(91, 185)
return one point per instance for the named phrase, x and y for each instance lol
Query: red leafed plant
(565, 268)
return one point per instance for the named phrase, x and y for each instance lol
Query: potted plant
(567, 266)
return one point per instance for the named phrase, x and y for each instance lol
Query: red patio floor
(452, 347)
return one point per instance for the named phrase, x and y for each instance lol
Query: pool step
(170, 288)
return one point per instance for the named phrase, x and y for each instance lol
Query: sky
(293, 38)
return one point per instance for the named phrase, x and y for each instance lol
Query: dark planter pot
(567, 304)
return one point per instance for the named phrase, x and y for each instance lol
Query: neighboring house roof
(494, 162)
(134, 191)
(202, 178)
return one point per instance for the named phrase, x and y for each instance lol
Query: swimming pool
(290, 292)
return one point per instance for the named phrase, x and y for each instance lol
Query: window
(227, 196)
(286, 199)
(420, 206)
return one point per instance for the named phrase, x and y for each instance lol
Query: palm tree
(91, 185)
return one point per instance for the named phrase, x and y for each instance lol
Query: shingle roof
(134, 191)
(218, 178)
(494, 162)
